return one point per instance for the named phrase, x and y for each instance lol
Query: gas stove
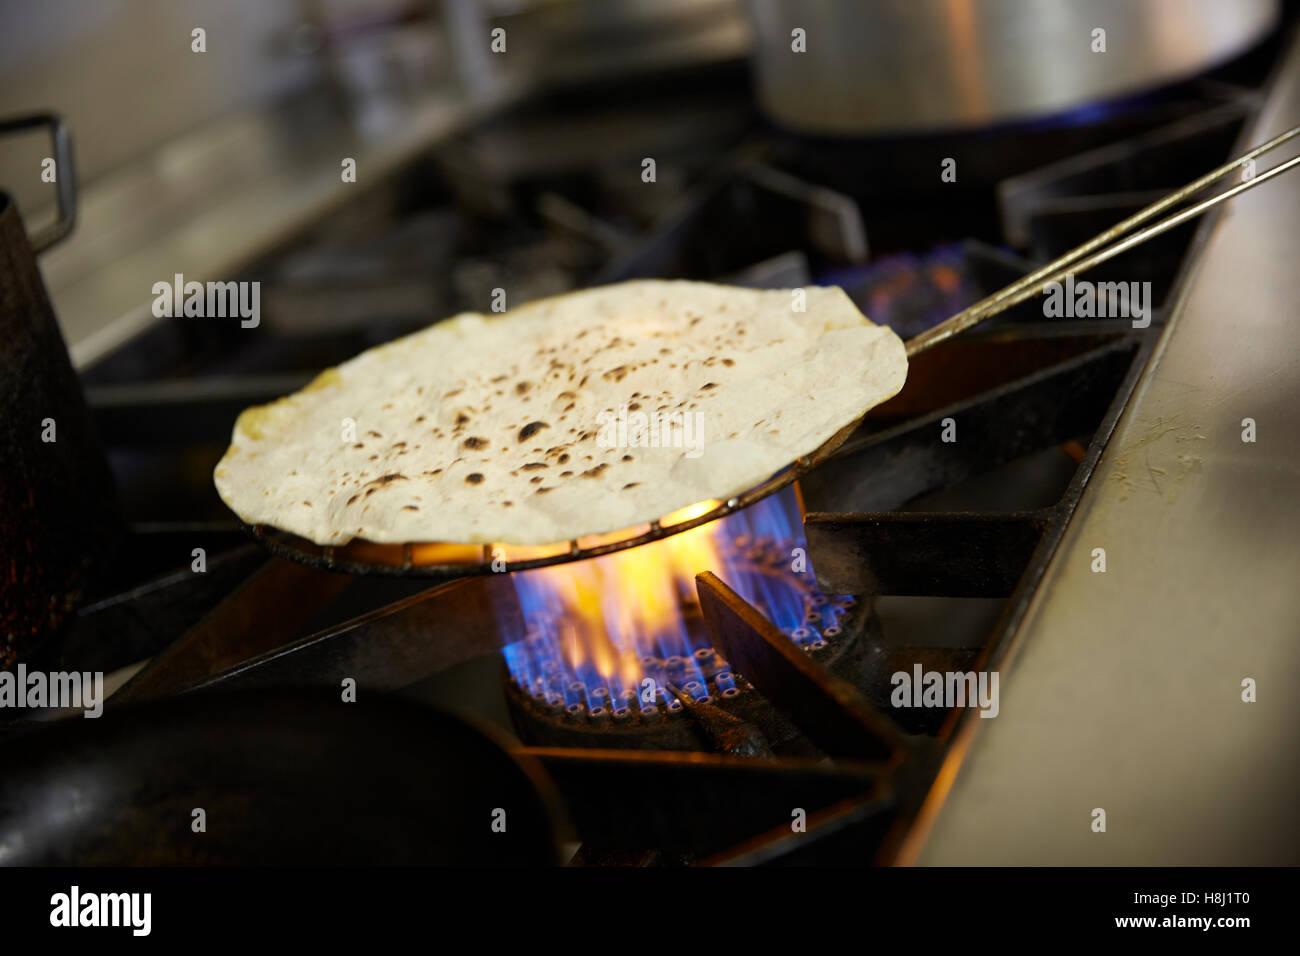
(688, 698)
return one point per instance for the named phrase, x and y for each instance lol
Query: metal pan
(384, 781)
(440, 560)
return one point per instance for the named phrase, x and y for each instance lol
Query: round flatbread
(577, 415)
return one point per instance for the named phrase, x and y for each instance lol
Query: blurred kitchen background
(522, 169)
(201, 163)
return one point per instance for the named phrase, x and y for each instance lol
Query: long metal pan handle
(1092, 253)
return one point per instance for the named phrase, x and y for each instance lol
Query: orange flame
(621, 606)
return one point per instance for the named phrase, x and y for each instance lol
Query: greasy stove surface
(950, 539)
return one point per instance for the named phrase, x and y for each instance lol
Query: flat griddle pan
(440, 560)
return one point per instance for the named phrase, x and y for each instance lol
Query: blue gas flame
(598, 665)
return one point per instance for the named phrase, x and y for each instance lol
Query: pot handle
(65, 177)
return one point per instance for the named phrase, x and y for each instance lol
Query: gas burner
(616, 651)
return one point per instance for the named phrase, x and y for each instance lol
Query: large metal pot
(912, 65)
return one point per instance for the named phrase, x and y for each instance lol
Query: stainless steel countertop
(1123, 690)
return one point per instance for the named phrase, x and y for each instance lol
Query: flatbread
(489, 429)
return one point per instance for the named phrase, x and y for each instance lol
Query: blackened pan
(294, 777)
